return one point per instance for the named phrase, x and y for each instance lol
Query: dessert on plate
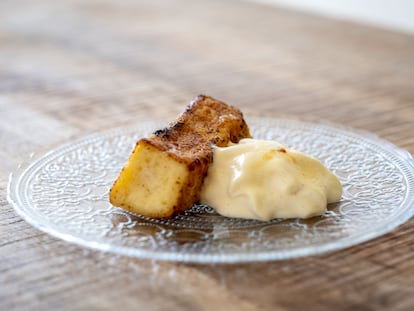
(207, 155)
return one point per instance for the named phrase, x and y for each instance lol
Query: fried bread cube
(165, 172)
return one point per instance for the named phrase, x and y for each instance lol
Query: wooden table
(68, 69)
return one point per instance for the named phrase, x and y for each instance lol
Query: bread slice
(165, 172)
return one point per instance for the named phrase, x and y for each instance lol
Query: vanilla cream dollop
(261, 179)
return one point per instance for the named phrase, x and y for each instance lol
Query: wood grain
(70, 68)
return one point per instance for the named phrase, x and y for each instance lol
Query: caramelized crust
(206, 121)
(183, 152)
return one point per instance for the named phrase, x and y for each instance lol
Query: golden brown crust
(206, 121)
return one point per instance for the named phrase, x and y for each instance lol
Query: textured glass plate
(65, 193)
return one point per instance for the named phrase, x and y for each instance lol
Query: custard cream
(262, 180)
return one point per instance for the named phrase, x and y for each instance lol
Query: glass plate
(65, 193)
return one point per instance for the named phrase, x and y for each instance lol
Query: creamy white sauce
(261, 179)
